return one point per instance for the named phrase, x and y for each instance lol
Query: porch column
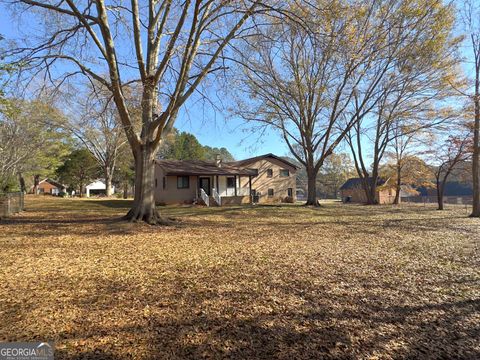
(235, 185)
(198, 186)
(250, 188)
(216, 186)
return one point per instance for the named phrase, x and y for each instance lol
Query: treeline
(185, 146)
(38, 141)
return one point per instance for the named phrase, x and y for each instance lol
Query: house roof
(261, 157)
(200, 167)
(98, 184)
(451, 188)
(53, 182)
(356, 183)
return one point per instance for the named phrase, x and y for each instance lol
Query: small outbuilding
(352, 191)
(48, 186)
(97, 187)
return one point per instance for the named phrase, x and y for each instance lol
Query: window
(284, 172)
(183, 182)
(230, 182)
(269, 173)
(156, 182)
(290, 192)
(164, 182)
(270, 192)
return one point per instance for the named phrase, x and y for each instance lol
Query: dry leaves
(241, 282)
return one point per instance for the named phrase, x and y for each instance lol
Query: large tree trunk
(23, 188)
(312, 188)
(36, 181)
(108, 181)
(440, 195)
(371, 188)
(143, 208)
(398, 186)
(372, 196)
(476, 151)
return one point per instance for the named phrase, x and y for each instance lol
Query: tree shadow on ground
(113, 204)
(182, 325)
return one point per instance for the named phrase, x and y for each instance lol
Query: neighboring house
(266, 178)
(353, 191)
(49, 186)
(97, 187)
(452, 188)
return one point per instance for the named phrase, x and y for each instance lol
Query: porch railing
(204, 197)
(241, 191)
(217, 197)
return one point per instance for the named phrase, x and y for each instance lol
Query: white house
(97, 187)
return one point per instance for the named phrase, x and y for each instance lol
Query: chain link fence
(11, 203)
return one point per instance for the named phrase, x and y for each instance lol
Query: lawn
(342, 281)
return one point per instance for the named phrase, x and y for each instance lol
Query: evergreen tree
(79, 169)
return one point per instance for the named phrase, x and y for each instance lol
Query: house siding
(172, 195)
(384, 196)
(261, 183)
(46, 188)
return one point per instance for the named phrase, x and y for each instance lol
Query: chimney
(218, 160)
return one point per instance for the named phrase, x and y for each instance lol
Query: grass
(342, 281)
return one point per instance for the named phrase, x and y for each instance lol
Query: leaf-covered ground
(343, 281)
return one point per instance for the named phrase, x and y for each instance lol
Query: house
(261, 179)
(97, 187)
(452, 188)
(352, 191)
(48, 186)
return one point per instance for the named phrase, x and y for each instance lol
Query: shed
(97, 187)
(352, 191)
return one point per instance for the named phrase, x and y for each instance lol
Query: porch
(220, 190)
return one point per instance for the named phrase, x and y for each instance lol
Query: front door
(205, 184)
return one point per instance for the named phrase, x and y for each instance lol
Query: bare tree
(92, 118)
(314, 87)
(176, 45)
(413, 92)
(455, 150)
(472, 24)
(405, 150)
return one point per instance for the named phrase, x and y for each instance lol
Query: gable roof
(200, 167)
(357, 183)
(261, 157)
(53, 182)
